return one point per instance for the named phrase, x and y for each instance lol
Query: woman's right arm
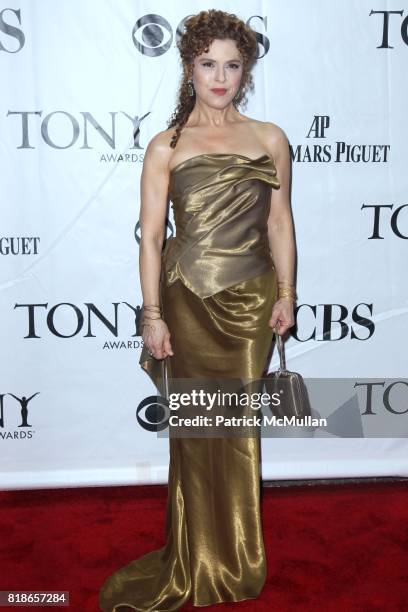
(153, 206)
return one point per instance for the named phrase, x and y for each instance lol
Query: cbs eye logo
(153, 413)
(153, 35)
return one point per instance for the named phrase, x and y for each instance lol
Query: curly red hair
(200, 31)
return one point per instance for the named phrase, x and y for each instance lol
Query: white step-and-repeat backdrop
(85, 86)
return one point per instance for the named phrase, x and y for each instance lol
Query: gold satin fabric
(214, 550)
(220, 211)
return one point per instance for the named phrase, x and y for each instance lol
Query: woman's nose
(220, 75)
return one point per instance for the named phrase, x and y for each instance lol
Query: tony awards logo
(25, 424)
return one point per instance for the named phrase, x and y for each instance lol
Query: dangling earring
(190, 88)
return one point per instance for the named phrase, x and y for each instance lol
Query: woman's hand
(282, 315)
(156, 337)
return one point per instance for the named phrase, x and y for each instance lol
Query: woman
(210, 303)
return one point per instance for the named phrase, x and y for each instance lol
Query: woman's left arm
(280, 228)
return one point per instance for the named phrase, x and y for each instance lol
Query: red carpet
(330, 547)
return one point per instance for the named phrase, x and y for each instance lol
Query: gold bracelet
(151, 309)
(286, 290)
(287, 297)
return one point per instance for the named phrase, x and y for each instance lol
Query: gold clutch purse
(294, 400)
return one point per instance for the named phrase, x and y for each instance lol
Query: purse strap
(165, 378)
(282, 365)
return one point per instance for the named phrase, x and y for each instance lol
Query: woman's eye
(210, 65)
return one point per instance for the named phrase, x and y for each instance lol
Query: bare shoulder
(274, 138)
(158, 152)
(271, 135)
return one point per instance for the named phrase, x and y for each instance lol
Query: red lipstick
(219, 92)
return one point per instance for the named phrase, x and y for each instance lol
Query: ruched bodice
(221, 203)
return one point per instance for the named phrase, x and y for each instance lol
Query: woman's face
(217, 74)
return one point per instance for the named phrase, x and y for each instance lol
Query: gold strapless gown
(217, 290)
